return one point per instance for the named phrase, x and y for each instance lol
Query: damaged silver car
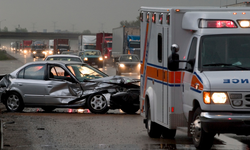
(57, 84)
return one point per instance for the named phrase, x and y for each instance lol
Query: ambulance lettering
(235, 81)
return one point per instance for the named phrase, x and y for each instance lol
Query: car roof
(91, 50)
(129, 55)
(56, 62)
(62, 55)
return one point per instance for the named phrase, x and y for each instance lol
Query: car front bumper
(226, 122)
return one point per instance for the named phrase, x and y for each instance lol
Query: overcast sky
(79, 15)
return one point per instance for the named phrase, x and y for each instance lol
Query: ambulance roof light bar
(160, 18)
(141, 16)
(212, 23)
(153, 17)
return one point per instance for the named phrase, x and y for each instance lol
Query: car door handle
(20, 84)
(49, 86)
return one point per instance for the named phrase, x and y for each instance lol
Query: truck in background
(38, 49)
(61, 45)
(26, 46)
(12, 46)
(104, 44)
(195, 64)
(50, 47)
(86, 42)
(126, 40)
(16, 46)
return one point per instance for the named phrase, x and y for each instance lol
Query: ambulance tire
(153, 129)
(201, 139)
(168, 133)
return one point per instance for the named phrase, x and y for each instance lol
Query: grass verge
(5, 56)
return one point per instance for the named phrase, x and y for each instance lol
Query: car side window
(20, 74)
(57, 72)
(192, 54)
(35, 72)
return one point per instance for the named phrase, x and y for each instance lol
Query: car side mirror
(173, 60)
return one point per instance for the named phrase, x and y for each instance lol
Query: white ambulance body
(204, 86)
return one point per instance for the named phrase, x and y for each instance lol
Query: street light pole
(0, 24)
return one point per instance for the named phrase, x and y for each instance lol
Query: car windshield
(134, 44)
(64, 59)
(93, 53)
(89, 46)
(85, 72)
(129, 58)
(225, 52)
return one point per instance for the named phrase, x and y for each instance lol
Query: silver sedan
(50, 85)
(66, 84)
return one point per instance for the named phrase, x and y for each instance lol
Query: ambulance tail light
(244, 23)
(216, 24)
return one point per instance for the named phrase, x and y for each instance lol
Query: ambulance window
(159, 47)
(191, 54)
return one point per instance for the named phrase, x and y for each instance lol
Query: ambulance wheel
(201, 139)
(168, 133)
(153, 129)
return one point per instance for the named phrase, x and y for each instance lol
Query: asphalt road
(66, 129)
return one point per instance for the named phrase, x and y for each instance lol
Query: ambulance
(195, 71)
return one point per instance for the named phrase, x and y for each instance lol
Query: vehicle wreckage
(98, 92)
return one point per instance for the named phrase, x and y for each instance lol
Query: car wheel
(14, 102)
(130, 109)
(153, 129)
(97, 103)
(201, 139)
(168, 133)
(48, 109)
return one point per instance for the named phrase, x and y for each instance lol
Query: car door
(60, 89)
(30, 83)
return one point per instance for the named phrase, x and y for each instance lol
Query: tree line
(133, 23)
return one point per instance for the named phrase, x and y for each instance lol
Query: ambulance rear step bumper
(226, 122)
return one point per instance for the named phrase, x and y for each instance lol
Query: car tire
(14, 102)
(168, 133)
(130, 109)
(48, 109)
(97, 104)
(201, 139)
(153, 129)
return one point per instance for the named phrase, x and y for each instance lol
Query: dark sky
(79, 15)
